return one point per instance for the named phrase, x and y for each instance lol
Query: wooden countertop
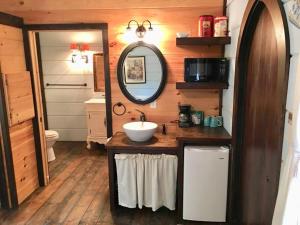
(158, 141)
(171, 141)
(203, 134)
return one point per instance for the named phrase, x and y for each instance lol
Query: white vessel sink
(140, 131)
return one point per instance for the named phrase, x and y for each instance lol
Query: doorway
(63, 55)
(259, 110)
(67, 79)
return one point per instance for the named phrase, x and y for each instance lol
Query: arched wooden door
(260, 97)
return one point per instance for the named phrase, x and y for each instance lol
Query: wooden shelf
(201, 85)
(203, 41)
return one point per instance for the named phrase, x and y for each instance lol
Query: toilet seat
(51, 134)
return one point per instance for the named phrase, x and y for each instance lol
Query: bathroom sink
(95, 101)
(139, 131)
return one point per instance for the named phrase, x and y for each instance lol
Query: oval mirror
(142, 72)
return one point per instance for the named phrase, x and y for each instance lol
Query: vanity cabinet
(171, 144)
(96, 121)
(120, 144)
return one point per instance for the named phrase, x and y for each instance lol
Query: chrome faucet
(142, 116)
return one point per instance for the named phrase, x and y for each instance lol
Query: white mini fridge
(205, 183)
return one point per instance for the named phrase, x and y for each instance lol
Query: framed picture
(135, 70)
(294, 12)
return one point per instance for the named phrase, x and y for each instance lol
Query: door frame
(248, 25)
(41, 76)
(59, 27)
(83, 26)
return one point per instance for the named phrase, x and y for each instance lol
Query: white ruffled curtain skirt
(147, 180)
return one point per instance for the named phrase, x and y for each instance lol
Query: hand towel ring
(119, 104)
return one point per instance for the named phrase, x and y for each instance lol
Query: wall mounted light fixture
(74, 48)
(79, 51)
(140, 30)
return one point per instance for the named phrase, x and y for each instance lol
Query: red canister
(205, 26)
(220, 26)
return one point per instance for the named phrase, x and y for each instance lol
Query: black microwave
(206, 69)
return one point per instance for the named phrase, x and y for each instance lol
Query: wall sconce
(74, 48)
(79, 48)
(140, 30)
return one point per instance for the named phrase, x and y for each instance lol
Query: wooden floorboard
(78, 194)
(64, 157)
(61, 202)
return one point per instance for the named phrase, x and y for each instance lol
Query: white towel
(127, 179)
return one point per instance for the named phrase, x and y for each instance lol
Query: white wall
(65, 105)
(235, 12)
(294, 65)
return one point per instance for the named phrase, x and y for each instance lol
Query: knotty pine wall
(168, 17)
(12, 60)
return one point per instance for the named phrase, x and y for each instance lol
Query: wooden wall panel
(12, 63)
(12, 59)
(18, 91)
(10, 33)
(168, 17)
(167, 103)
(24, 159)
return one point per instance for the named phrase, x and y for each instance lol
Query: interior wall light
(83, 49)
(79, 52)
(74, 48)
(140, 30)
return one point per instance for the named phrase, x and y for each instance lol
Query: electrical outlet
(153, 105)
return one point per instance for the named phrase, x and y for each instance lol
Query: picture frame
(135, 70)
(294, 12)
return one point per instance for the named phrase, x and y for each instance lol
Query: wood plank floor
(78, 194)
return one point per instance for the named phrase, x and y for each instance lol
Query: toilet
(51, 138)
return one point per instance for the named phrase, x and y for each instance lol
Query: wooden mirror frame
(120, 70)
